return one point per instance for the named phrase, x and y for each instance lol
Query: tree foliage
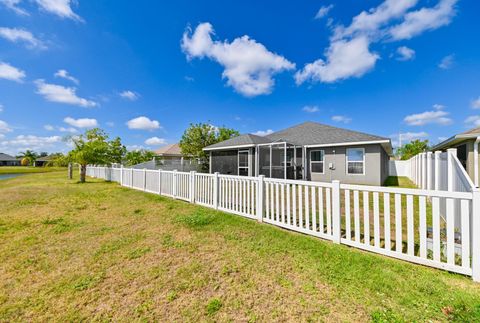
(412, 148)
(28, 155)
(135, 157)
(117, 151)
(201, 135)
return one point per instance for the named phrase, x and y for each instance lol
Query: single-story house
(466, 144)
(170, 157)
(7, 160)
(310, 151)
(42, 161)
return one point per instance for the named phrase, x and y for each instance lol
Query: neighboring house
(310, 151)
(170, 157)
(7, 160)
(42, 161)
(467, 147)
(171, 151)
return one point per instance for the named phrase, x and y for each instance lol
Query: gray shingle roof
(307, 133)
(313, 133)
(242, 140)
(5, 157)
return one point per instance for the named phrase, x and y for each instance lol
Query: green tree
(30, 155)
(412, 148)
(201, 135)
(90, 148)
(57, 160)
(135, 157)
(117, 151)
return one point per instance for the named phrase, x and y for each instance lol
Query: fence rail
(407, 224)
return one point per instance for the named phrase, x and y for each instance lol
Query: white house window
(243, 162)
(356, 161)
(316, 161)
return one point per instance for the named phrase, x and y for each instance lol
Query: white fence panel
(436, 228)
(399, 168)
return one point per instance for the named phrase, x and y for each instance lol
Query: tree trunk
(83, 172)
(70, 171)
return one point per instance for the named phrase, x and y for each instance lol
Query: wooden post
(475, 235)
(70, 171)
(260, 197)
(215, 190)
(336, 218)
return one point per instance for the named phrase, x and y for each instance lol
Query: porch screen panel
(278, 160)
(264, 160)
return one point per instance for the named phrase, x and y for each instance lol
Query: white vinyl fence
(395, 222)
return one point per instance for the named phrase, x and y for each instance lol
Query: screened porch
(279, 160)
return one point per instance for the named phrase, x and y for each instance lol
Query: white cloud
(11, 73)
(406, 137)
(60, 8)
(476, 103)
(49, 127)
(31, 142)
(4, 127)
(423, 19)
(342, 119)
(323, 11)
(13, 5)
(69, 129)
(369, 22)
(249, 66)
(405, 53)
(345, 59)
(81, 123)
(263, 133)
(129, 95)
(155, 141)
(64, 74)
(21, 35)
(135, 147)
(437, 116)
(143, 123)
(348, 54)
(310, 108)
(62, 94)
(473, 121)
(447, 62)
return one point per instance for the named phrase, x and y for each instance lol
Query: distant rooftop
(169, 150)
(5, 157)
(455, 139)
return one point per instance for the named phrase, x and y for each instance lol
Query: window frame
(248, 162)
(347, 161)
(317, 162)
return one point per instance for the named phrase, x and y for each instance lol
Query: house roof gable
(5, 157)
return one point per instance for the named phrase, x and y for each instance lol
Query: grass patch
(213, 306)
(29, 169)
(69, 253)
(198, 218)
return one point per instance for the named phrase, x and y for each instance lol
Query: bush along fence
(401, 223)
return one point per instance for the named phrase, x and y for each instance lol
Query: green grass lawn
(28, 169)
(96, 251)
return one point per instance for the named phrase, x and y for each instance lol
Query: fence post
(174, 184)
(144, 179)
(215, 190)
(121, 175)
(429, 170)
(191, 187)
(475, 234)
(160, 182)
(424, 170)
(336, 218)
(260, 197)
(438, 155)
(131, 177)
(450, 153)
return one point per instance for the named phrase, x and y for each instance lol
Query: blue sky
(145, 70)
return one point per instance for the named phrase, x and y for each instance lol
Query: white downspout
(475, 160)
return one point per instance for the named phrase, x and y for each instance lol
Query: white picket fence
(395, 222)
